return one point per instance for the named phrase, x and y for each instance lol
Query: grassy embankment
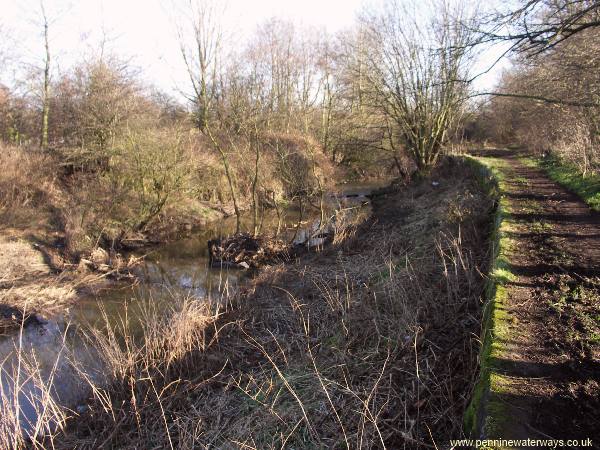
(371, 343)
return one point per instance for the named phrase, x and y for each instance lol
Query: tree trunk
(46, 94)
(254, 186)
(229, 177)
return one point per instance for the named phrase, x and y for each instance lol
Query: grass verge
(587, 187)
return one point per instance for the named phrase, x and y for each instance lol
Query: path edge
(487, 415)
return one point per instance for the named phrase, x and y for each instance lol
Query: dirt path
(549, 365)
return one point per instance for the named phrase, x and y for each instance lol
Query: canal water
(52, 360)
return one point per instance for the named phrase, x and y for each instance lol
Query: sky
(141, 30)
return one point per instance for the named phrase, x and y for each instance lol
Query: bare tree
(531, 30)
(550, 102)
(329, 96)
(4, 48)
(92, 108)
(536, 26)
(46, 88)
(201, 45)
(415, 67)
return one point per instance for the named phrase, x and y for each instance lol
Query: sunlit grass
(585, 186)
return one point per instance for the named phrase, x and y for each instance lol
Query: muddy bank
(31, 288)
(44, 255)
(371, 342)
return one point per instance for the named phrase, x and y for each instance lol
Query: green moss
(486, 412)
(502, 273)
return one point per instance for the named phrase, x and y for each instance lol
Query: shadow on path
(549, 364)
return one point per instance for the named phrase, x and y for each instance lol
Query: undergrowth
(372, 343)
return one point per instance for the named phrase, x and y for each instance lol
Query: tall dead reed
(30, 413)
(371, 344)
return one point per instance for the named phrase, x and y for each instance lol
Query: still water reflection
(52, 361)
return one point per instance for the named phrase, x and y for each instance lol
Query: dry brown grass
(32, 364)
(371, 344)
(28, 283)
(27, 187)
